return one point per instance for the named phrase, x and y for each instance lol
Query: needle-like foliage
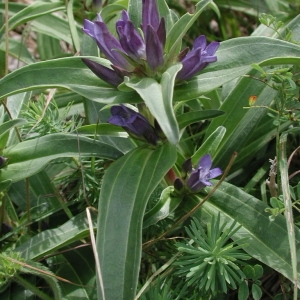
(211, 261)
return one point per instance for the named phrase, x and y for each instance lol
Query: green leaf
(235, 57)
(179, 29)
(35, 10)
(266, 240)
(166, 13)
(53, 239)
(18, 50)
(72, 24)
(163, 208)
(77, 266)
(70, 73)
(210, 145)
(135, 8)
(40, 270)
(256, 291)
(238, 120)
(103, 129)
(55, 26)
(243, 292)
(189, 118)
(126, 188)
(5, 127)
(158, 98)
(29, 157)
(249, 271)
(258, 270)
(4, 185)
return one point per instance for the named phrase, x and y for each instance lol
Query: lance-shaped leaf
(126, 188)
(50, 240)
(266, 240)
(174, 37)
(159, 99)
(70, 73)
(35, 10)
(29, 157)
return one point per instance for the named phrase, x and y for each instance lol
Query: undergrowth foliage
(149, 149)
(210, 262)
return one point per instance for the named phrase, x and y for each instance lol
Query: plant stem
(288, 207)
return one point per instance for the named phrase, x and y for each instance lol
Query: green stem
(288, 207)
(31, 287)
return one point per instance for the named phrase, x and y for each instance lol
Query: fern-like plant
(210, 261)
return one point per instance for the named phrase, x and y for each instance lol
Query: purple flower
(130, 40)
(154, 32)
(107, 43)
(104, 73)
(198, 58)
(129, 53)
(200, 177)
(134, 123)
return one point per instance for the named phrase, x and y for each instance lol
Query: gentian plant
(143, 56)
(162, 132)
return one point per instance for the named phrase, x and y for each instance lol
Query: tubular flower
(131, 51)
(198, 58)
(143, 55)
(107, 43)
(201, 176)
(134, 123)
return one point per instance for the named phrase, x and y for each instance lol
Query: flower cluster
(200, 177)
(133, 54)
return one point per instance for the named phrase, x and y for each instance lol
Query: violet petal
(103, 72)
(154, 50)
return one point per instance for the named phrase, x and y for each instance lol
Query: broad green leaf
(54, 26)
(235, 57)
(247, 130)
(18, 50)
(258, 269)
(177, 32)
(256, 291)
(243, 292)
(189, 118)
(163, 208)
(166, 13)
(70, 73)
(135, 8)
(77, 266)
(4, 185)
(109, 11)
(103, 129)
(38, 269)
(126, 188)
(35, 10)
(159, 99)
(13, 8)
(53, 239)
(31, 156)
(262, 134)
(238, 120)
(5, 127)
(210, 145)
(266, 240)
